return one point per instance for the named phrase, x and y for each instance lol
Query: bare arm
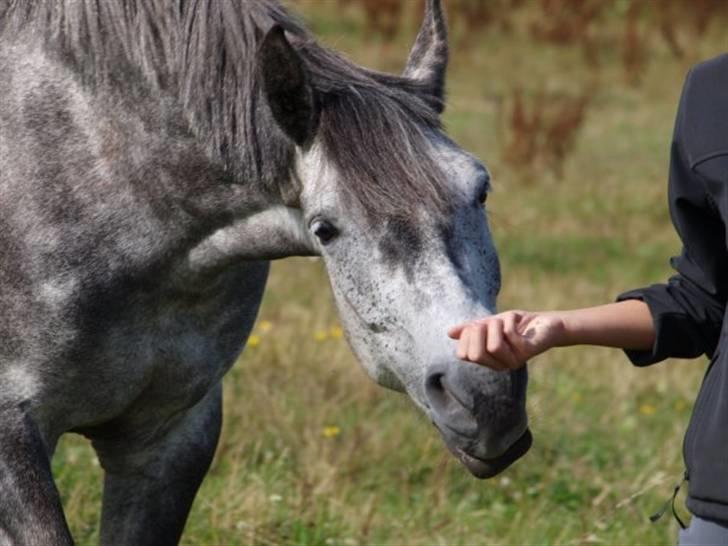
(507, 340)
(626, 325)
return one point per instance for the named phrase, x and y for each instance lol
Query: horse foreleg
(30, 507)
(149, 488)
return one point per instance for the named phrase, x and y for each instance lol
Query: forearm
(626, 324)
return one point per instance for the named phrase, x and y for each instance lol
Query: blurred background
(571, 104)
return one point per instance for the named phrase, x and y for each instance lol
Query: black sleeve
(688, 310)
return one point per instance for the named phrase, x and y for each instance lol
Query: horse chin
(488, 468)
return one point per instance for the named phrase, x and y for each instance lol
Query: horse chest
(186, 347)
(170, 351)
(184, 353)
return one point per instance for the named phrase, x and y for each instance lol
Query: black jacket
(689, 310)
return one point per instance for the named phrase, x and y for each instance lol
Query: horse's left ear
(287, 87)
(427, 62)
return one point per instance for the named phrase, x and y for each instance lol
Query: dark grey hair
(375, 128)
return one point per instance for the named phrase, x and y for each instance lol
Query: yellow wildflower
(320, 335)
(336, 332)
(265, 326)
(253, 341)
(331, 431)
(648, 409)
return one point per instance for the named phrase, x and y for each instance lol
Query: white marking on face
(56, 293)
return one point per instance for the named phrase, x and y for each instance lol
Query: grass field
(314, 453)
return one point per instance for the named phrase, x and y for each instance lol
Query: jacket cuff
(661, 347)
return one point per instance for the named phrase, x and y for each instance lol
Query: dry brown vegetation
(539, 126)
(679, 23)
(570, 23)
(381, 16)
(542, 129)
(467, 18)
(634, 50)
(682, 21)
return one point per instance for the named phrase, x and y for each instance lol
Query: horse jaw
(276, 232)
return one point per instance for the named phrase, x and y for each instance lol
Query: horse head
(395, 210)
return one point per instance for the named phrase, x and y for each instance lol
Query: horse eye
(325, 231)
(483, 187)
(483, 197)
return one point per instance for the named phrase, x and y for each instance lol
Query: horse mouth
(487, 468)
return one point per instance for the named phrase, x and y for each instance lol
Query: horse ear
(287, 87)
(427, 62)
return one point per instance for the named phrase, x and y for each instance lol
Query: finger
(498, 347)
(509, 326)
(477, 354)
(464, 346)
(454, 332)
(495, 336)
(476, 343)
(491, 363)
(513, 337)
(462, 350)
(477, 348)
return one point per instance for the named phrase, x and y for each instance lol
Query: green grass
(607, 436)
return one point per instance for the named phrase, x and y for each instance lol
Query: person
(684, 317)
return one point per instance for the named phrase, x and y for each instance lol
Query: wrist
(568, 330)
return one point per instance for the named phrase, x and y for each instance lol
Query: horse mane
(375, 128)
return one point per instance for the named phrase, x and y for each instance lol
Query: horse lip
(487, 468)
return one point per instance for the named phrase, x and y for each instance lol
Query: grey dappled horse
(153, 157)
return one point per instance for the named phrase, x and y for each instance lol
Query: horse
(155, 156)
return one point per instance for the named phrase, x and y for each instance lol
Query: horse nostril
(435, 389)
(440, 395)
(448, 409)
(475, 409)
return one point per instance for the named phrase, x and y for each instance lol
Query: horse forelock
(378, 133)
(375, 128)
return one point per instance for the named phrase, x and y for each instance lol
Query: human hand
(507, 340)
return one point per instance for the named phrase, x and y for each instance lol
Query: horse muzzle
(487, 468)
(480, 414)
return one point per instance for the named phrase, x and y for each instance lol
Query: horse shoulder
(97, 206)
